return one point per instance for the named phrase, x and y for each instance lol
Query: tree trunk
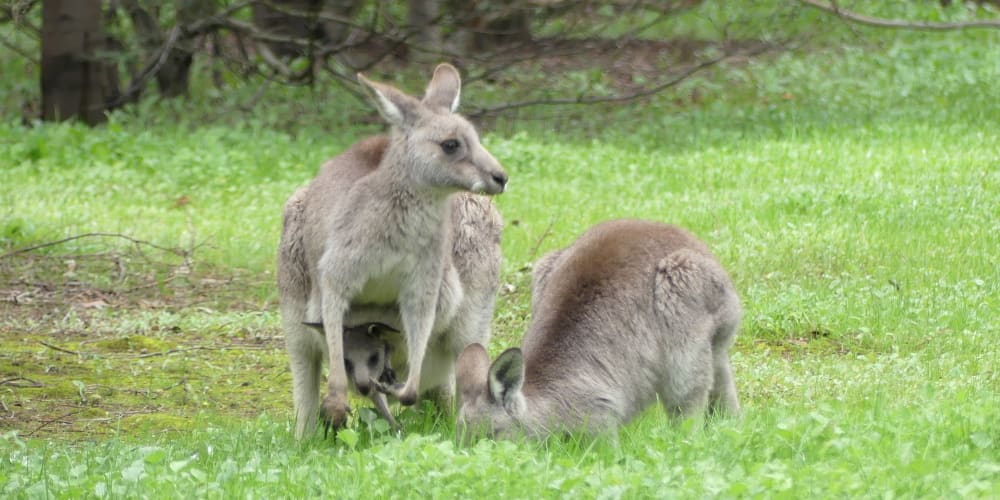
(486, 26)
(423, 20)
(75, 82)
(173, 77)
(280, 20)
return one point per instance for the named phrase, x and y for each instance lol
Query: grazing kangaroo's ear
(396, 107)
(444, 89)
(470, 371)
(507, 375)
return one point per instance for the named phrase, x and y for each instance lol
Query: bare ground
(97, 344)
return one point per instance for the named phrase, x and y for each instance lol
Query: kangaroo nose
(500, 178)
(364, 389)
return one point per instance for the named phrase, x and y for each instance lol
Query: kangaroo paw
(405, 395)
(334, 412)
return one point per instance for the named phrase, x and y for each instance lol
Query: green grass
(853, 193)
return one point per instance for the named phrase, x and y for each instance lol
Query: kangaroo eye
(373, 360)
(348, 367)
(449, 146)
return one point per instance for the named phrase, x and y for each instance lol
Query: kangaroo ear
(507, 375)
(444, 89)
(471, 369)
(315, 326)
(383, 332)
(396, 107)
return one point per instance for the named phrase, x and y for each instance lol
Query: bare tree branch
(19, 51)
(138, 82)
(596, 99)
(879, 22)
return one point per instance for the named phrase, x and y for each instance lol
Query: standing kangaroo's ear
(507, 375)
(444, 89)
(396, 107)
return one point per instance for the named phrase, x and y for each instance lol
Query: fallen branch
(30, 383)
(54, 420)
(176, 251)
(879, 22)
(196, 348)
(60, 349)
(155, 354)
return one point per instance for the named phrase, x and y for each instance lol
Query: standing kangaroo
(631, 310)
(390, 231)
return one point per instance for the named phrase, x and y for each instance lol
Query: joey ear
(383, 332)
(315, 326)
(471, 369)
(444, 89)
(507, 375)
(396, 107)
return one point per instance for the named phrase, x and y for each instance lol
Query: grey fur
(631, 311)
(391, 231)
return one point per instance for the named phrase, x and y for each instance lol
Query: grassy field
(852, 190)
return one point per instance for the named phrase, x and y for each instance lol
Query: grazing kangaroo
(368, 362)
(631, 310)
(393, 231)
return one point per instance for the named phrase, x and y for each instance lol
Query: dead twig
(13, 382)
(538, 242)
(197, 348)
(158, 353)
(879, 22)
(54, 420)
(175, 251)
(60, 349)
(144, 392)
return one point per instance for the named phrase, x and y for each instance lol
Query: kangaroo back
(631, 311)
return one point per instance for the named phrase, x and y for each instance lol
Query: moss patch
(155, 423)
(133, 343)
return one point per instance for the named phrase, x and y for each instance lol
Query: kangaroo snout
(492, 178)
(500, 178)
(364, 388)
(496, 184)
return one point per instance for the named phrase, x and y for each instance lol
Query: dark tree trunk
(336, 32)
(422, 18)
(280, 20)
(75, 82)
(485, 26)
(174, 76)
